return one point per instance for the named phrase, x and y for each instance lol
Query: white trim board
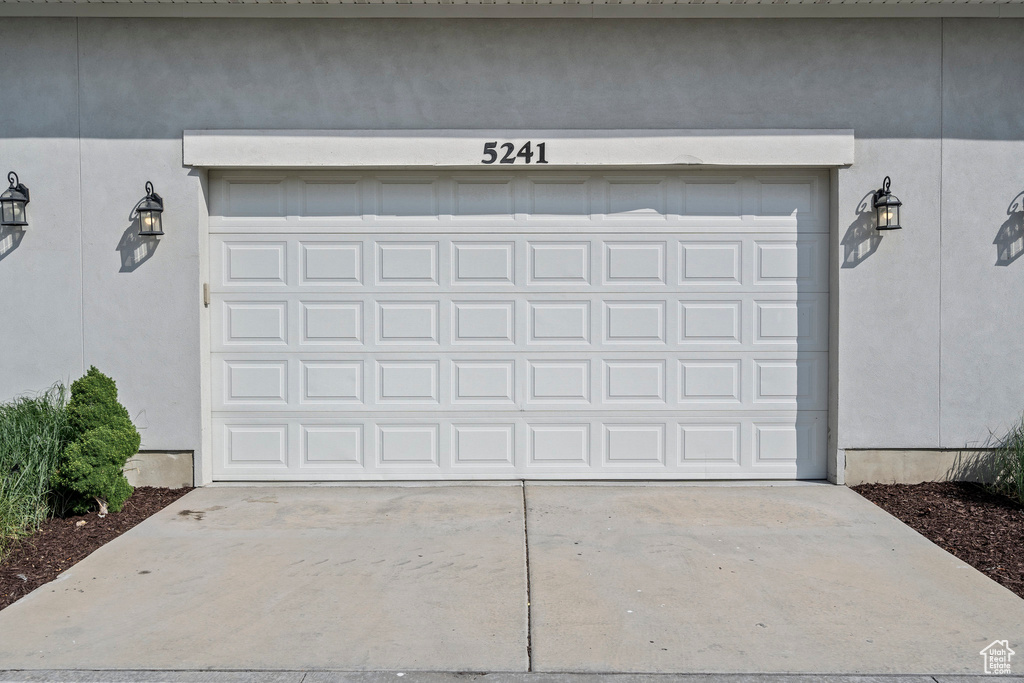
(686, 10)
(564, 148)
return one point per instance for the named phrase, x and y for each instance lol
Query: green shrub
(33, 432)
(1009, 461)
(94, 404)
(103, 438)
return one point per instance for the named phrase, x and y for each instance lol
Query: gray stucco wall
(929, 345)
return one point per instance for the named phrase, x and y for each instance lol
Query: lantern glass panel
(888, 215)
(13, 212)
(151, 223)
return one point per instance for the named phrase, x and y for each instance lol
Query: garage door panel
(519, 322)
(256, 198)
(525, 224)
(329, 194)
(478, 325)
(329, 263)
(503, 261)
(443, 446)
(644, 382)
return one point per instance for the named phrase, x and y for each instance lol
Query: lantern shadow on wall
(135, 249)
(1009, 240)
(862, 238)
(10, 239)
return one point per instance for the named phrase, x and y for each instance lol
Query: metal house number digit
(506, 153)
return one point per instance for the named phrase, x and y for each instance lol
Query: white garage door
(478, 325)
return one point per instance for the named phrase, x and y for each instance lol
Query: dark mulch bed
(983, 529)
(61, 543)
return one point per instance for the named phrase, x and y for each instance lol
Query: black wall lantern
(887, 208)
(12, 203)
(149, 210)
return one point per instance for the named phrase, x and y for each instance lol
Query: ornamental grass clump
(90, 470)
(1009, 462)
(33, 432)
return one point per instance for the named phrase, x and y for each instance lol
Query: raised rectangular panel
(255, 322)
(560, 321)
(720, 442)
(254, 263)
(787, 198)
(559, 380)
(407, 381)
(783, 321)
(559, 197)
(332, 263)
(775, 442)
(408, 198)
(255, 381)
(637, 196)
(780, 262)
(256, 444)
(483, 263)
(332, 322)
(637, 262)
(784, 379)
(332, 445)
(635, 321)
(712, 199)
(483, 444)
(704, 321)
(634, 380)
(709, 380)
(483, 381)
(412, 322)
(478, 322)
(559, 444)
(407, 263)
(559, 262)
(709, 262)
(332, 381)
(326, 198)
(408, 444)
(634, 444)
(490, 197)
(255, 199)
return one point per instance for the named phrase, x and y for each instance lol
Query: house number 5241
(506, 153)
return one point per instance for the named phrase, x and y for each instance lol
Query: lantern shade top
(16, 192)
(888, 200)
(151, 202)
(884, 196)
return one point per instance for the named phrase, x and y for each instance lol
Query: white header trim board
(552, 9)
(515, 149)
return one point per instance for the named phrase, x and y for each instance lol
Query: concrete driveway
(545, 578)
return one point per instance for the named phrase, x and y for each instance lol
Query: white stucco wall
(929, 347)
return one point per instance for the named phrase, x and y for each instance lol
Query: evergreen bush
(90, 469)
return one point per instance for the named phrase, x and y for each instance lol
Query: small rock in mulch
(983, 529)
(61, 543)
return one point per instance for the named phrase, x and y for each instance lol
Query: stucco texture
(928, 350)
